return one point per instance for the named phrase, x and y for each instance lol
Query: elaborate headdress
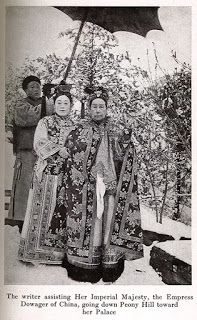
(63, 89)
(96, 92)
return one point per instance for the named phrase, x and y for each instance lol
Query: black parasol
(137, 20)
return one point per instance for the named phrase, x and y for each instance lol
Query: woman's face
(62, 105)
(98, 109)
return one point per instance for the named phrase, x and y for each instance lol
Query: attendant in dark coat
(28, 112)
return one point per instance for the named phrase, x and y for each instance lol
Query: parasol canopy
(138, 20)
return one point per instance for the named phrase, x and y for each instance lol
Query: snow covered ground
(179, 249)
(137, 272)
(168, 226)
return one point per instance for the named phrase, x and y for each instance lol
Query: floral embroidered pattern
(71, 225)
(78, 211)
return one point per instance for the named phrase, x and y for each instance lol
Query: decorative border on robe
(48, 149)
(33, 247)
(127, 234)
(125, 229)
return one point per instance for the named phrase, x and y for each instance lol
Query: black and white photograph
(97, 186)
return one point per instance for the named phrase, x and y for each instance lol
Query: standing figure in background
(97, 210)
(28, 112)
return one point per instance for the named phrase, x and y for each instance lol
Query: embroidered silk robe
(50, 136)
(88, 237)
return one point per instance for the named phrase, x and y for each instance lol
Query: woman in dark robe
(97, 210)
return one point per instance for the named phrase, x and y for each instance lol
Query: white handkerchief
(100, 191)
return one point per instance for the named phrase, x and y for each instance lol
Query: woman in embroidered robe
(49, 141)
(100, 213)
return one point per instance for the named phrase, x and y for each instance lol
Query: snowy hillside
(137, 272)
(169, 226)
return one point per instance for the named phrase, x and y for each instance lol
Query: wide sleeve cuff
(48, 150)
(42, 145)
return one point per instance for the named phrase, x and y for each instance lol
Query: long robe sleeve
(43, 146)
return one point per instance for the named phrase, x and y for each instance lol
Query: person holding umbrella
(28, 112)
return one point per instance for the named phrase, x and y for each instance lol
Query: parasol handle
(75, 45)
(82, 109)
